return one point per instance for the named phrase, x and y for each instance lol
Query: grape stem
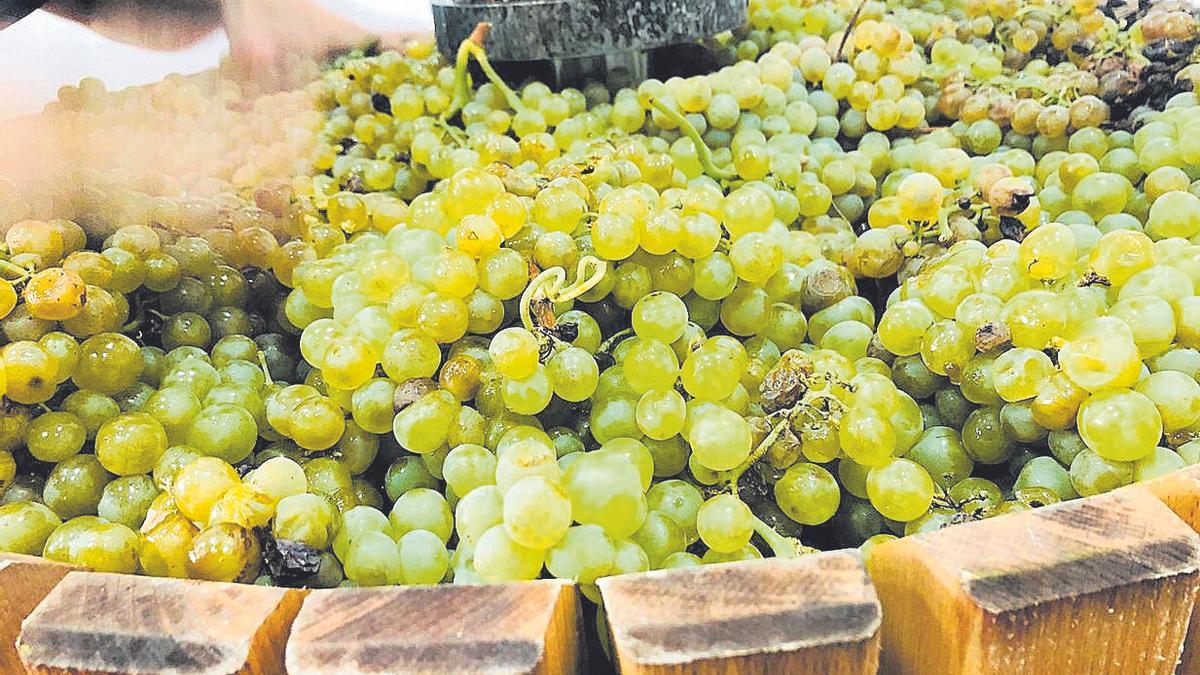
(781, 546)
(473, 46)
(453, 133)
(849, 29)
(736, 474)
(703, 152)
(262, 363)
(551, 285)
(16, 269)
(608, 345)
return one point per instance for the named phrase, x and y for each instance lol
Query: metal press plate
(537, 30)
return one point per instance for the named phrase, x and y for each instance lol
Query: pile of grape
(888, 269)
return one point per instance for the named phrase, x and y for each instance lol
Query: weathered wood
(509, 628)
(1099, 585)
(1181, 492)
(814, 614)
(113, 623)
(24, 581)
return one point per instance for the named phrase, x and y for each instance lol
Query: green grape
(661, 413)
(1046, 472)
(108, 363)
(478, 511)
(1189, 452)
(720, 438)
(650, 364)
(374, 559)
(277, 478)
(55, 436)
(199, 484)
(659, 537)
(499, 558)
(574, 374)
(679, 500)
(308, 518)
(130, 444)
(469, 466)
(127, 500)
(537, 512)
(1018, 373)
(941, 452)
(584, 554)
(514, 352)
(422, 509)
(1120, 425)
(25, 527)
(423, 426)
(524, 458)
(1176, 395)
(405, 474)
(724, 523)
(223, 430)
(98, 546)
(659, 316)
(92, 408)
(977, 496)
(903, 327)
(1092, 474)
(984, 439)
(330, 477)
(423, 557)
(605, 489)
(372, 405)
(530, 395)
(901, 490)
(808, 494)
(614, 417)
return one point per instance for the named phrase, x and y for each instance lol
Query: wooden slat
(814, 614)
(113, 623)
(1181, 492)
(1099, 585)
(24, 581)
(530, 627)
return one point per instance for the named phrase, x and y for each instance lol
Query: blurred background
(122, 43)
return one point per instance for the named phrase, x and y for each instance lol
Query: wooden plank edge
(752, 616)
(1180, 491)
(945, 593)
(529, 627)
(95, 622)
(24, 581)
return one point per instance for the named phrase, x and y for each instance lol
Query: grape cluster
(886, 269)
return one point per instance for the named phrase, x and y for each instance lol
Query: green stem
(736, 474)
(613, 339)
(703, 152)
(262, 362)
(552, 281)
(14, 268)
(781, 546)
(462, 81)
(510, 96)
(455, 134)
(473, 46)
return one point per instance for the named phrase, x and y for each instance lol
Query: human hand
(266, 35)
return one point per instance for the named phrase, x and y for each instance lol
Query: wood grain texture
(1181, 492)
(113, 623)
(508, 628)
(814, 614)
(24, 581)
(1099, 585)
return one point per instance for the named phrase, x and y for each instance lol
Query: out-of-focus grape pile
(888, 268)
